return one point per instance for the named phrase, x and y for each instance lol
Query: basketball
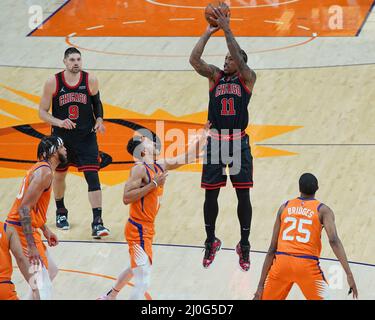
(209, 11)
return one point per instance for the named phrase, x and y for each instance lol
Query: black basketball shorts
(223, 157)
(82, 151)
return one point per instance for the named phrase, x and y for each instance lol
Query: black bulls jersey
(228, 105)
(74, 103)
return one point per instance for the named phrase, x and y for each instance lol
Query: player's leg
(279, 280)
(244, 213)
(213, 178)
(42, 277)
(276, 289)
(141, 281)
(53, 270)
(241, 174)
(312, 281)
(59, 187)
(88, 161)
(121, 281)
(140, 252)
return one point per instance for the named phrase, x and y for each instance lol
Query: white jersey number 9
(300, 229)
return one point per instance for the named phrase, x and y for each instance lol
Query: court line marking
(135, 21)
(181, 19)
(70, 43)
(365, 20)
(303, 27)
(48, 18)
(196, 247)
(95, 27)
(232, 7)
(147, 295)
(187, 70)
(275, 22)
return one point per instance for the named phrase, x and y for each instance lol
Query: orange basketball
(209, 12)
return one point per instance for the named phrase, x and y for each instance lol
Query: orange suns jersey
(39, 212)
(300, 228)
(6, 268)
(146, 208)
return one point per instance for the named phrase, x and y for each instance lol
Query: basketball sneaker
(62, 219)
(99, 231)
(244, 256)
(210, 252)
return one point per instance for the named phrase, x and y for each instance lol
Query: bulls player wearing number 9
(230, 92)
(77, 114)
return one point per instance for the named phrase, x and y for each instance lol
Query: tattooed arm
(206, 70)
(39, 181)
(234, 48)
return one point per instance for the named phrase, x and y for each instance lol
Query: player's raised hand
(160, 178)
(352, 286)
(221, 20)
(211, 29)
(67, 124)
(99, 126)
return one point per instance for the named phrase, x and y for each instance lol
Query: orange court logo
(20, 135)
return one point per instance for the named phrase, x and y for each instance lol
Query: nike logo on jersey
(62, 89)
(82, 88)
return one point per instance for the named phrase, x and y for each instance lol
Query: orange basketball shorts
(7, 290)
(139, 237)
(287, 270)
(37, 239)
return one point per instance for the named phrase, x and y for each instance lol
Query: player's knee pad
(92, 179)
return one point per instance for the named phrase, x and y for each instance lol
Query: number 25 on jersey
(304, 234)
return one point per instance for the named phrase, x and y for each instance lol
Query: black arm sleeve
(97, 106)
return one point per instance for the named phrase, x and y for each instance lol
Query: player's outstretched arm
(328, 220)
(133, 189)
(270, 256)
(45, 103)
(194, 150)
(204, 69)
(21, 260)
(40, 181)
(234, 48)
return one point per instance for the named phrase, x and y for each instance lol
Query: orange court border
(185, 18)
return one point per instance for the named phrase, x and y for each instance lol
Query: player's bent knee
(92, 179)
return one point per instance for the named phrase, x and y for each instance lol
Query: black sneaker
(62, 219)
(244, 256)
(99, 231)
(211, 248)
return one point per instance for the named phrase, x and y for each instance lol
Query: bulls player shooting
(229, 94)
